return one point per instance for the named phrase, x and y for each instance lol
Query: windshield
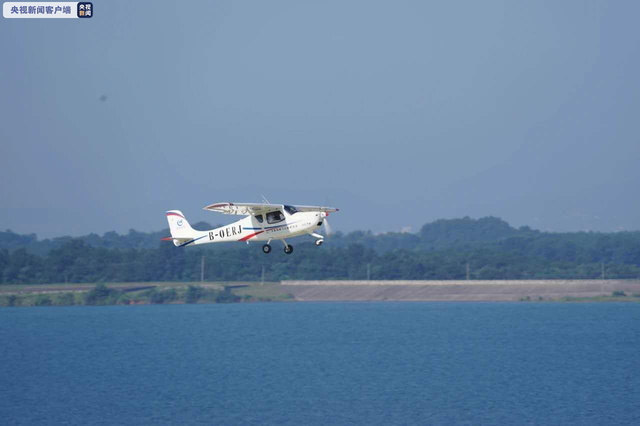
(290, 209)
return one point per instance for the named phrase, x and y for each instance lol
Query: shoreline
(321, 291)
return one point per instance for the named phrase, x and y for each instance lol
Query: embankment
(507, 290)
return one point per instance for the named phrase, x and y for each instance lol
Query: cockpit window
(259, 218)
(275, 217)
(291, 210)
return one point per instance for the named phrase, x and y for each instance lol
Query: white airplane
(264, 222)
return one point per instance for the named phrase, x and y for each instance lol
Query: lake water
(322, 364)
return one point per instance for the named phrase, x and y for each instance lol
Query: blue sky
(398, 113)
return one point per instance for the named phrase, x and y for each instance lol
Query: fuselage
(273, 225)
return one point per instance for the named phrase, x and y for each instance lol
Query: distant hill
(466, 231)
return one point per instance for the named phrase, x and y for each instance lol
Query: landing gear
(319, 238)
(267, 247)
(287, 248)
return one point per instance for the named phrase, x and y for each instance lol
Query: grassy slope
(135, 293)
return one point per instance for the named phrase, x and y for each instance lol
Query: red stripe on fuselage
(250, 236)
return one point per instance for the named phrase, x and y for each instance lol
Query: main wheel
(318, 243)
(288, 249)
(266, 249)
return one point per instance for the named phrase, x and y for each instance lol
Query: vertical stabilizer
(179, 226)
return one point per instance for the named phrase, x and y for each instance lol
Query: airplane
(264, 222)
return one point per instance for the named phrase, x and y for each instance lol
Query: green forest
(489, 248)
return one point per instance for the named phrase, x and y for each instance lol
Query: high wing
(316, 209)
(242, 208)
(260, 208)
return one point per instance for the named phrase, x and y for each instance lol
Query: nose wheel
(319, 238)
(266, 248)
(288, 249)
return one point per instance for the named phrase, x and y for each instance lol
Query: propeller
(327, 227)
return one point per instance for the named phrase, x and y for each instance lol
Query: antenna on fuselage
(265, 201)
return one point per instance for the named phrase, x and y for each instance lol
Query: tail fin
(179, 227)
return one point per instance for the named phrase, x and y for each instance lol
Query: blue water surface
(322, 364)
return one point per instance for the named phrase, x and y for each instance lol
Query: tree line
(488, 248)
